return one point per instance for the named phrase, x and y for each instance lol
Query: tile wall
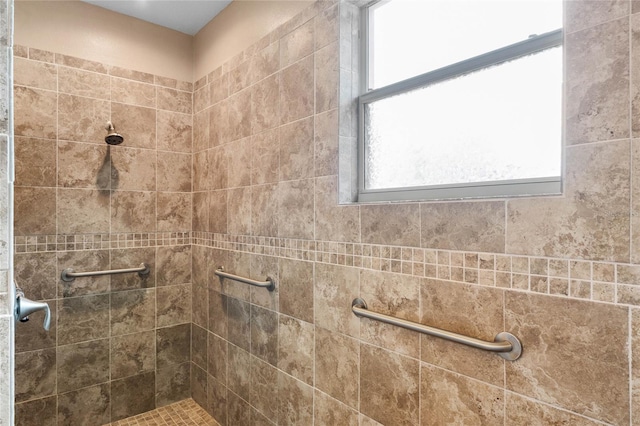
(6, 182)
(272, 128)
(119, 345)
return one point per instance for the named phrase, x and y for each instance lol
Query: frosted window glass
(412, 37)
(500, 123)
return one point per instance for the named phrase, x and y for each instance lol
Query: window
(460, 99)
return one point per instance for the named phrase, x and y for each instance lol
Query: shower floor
(183, 413)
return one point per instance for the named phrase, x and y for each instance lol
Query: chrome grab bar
(504, 344)
(269, 284)
(69, 274)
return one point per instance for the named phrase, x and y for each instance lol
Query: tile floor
(183, 413)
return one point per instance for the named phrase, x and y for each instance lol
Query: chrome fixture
(504, 344)
(25, 307)
(269, 284)
(69, 274)
(113, 138)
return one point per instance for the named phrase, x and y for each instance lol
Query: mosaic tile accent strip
(44, 243)
(183, 413)
(577, 279)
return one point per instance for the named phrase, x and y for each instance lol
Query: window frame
(490, 189)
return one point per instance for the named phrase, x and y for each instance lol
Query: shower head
(113, 138)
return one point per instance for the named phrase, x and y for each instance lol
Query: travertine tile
(35, 162)
(394, 224)
(83, 64)
(297, 44)
(296, 348)
(239, 377)
(201, 130)
(132, 395)
(35, 113)
(296, 150)
(328, 411)
(591, 221)
(239, 164)
(395, 295)
(389, 386)
(337, 363)
(295, 285)
(35, 274)
(39, 411)
(173, 384)
(217, 357)
(32, 336)
(327, 75)
(199, 349)
(82, 364)
(597, 103)
(449, 398)
(96, 161)
(218, 211)
(597, 385)
(334, 222)
(175, 131)
(218, 163)
(295, 401)
(265, 160)
(265, 104)
(131, 258)
(239, 211)
(264, 334)
(297, 91)
(82, 119)
(39, 75)
(136, 124)
(132, 354)
(264, 210)
(85, 406)
(133, 211)
(335, 288)
(327, 26)
(35, 374)
(218, 313)
(132, 311)
(82, 211)
(217, 124)
(466, 309)
(240, 117)
(83, 318)
(476, 226)
(134, 169)
(174, 100)
(172, 345)
(264, 384)
(174, 171)
(132, 92)
(297, 199)
(264, 63)
(238, 315)
(588, 13)
(519, 410)
(83, 83)
(173, 265)
(173, 305)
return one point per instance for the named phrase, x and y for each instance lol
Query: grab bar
(69, 274)
(504, 344)
(269, 284)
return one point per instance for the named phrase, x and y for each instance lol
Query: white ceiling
(186, 16)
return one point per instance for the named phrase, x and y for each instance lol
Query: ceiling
(186, 16)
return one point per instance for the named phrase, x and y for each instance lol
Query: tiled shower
(243, 168)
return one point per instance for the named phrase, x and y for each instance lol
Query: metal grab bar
(269, 284)
(69, 274)
(504, 344)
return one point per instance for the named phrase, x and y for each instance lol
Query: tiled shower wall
(6, 135)
(273, 126)
(118, 345)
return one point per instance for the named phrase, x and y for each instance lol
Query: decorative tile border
(43, 243)
(609, 282)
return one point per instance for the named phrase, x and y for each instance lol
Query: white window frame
(490, 189)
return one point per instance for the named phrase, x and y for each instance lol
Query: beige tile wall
(6, 188)
(119, 345)
(273, 126)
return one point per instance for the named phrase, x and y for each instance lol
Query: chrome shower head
(113, 138)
